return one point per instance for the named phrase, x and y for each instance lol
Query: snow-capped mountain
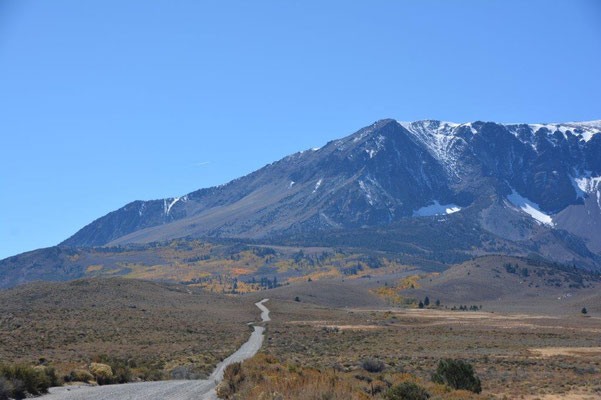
(516, 182)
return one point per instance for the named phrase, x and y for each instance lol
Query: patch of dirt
(343, 327)
(354, 327)
(567, 351)
(572, 395)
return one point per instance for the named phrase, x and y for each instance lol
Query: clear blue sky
(108, 101)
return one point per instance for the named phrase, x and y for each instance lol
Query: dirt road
(168, 390)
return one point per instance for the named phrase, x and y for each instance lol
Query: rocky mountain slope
(513, 183)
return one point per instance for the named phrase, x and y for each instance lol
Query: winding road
(168, 390)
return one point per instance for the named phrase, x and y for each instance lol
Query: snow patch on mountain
(583, 130)
(167, 206)
(317, 185)
(588, 185)
(366, 190)
(529, 208)
(438, 137)
(436, 209)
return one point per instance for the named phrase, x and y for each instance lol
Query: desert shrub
(103, 373)
(19, 391)
(6, 389)
(186, 372)
(121, 374)
(21, 379)
(372, 365)
(233, 377)
(35, 381)
(130, 369)
(50, 373)
(457, 374)
(79, 375)
(407, 391)
(108, 370)
(149, 373)
(363, 378)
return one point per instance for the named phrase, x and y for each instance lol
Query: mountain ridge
(511, 175)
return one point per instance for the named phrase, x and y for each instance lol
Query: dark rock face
(524, 175)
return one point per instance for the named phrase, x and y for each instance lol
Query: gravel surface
(167, 390)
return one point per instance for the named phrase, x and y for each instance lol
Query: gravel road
(167, 390)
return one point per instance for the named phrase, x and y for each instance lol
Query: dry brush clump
(407, 391)
(102, 372)
(264, 377)
(457, 374)
(18, 381)
(372, 365)
(106, 370)
(79, 375)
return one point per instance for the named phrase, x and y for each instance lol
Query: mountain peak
(385, 173)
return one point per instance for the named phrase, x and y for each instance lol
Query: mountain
(521, 188)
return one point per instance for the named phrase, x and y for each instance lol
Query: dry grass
(266, 378)
(163, 326)
(412, 341)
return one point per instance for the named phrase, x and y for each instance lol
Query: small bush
(102, 372)
(19, 379)
(233, 377)
(130, 369)
(186, 372)
(79, 375)
(6, 389)
(149, 373)
(372, 365)
(457, 374)
(19, 391)
(407, 391)
(121, 374)
(50, 373)
(363, 378)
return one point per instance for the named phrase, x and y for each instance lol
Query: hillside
(158, 326)
(222, 267)
(512, 284)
